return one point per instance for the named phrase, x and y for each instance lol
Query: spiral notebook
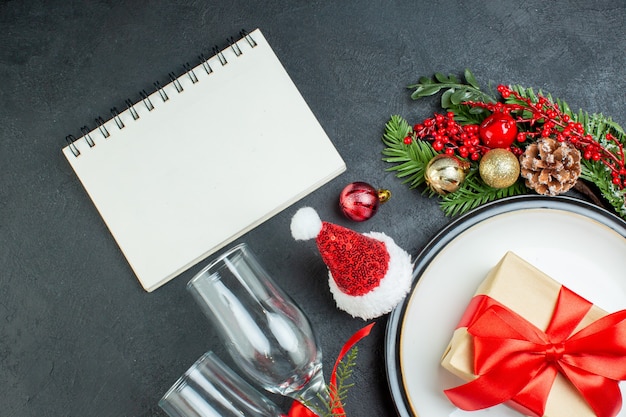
(204, 158)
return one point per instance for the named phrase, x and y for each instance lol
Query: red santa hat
(368, 274)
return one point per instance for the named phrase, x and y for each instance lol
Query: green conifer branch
(410, 160)
(474, 192)
(338, 392)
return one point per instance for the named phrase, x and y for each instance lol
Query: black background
(78, 335)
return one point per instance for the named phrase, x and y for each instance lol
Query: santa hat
(368, 274)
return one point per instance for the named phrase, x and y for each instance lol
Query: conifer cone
(550, 167)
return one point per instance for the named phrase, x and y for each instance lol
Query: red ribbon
(515, 360)
(299, 410)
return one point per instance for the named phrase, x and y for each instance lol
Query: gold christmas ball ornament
(499, 168)
(445, 173)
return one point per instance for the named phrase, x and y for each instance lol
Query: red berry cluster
(544, 118)
(448, 136)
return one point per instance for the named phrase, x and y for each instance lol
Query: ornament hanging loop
(384, 195)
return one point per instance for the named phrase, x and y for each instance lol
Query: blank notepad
(184, 171)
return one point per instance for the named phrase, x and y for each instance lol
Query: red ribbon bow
(515, 360)
(299, 410)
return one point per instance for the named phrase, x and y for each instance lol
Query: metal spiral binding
(70, 141)
(146, 100)
(245, 35)
(116, 116)
(131, 108)
(176, 82)
(205, 64)
(190, 73)
(103, 129)
(85, 131)
(161, 91)
(220, 55)
(233, 45)
(145, 97)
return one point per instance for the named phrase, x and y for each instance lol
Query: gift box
(516, 295)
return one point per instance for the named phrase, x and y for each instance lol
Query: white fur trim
(305, 224)
(392, 288)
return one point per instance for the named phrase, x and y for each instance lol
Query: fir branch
(410, 160)
(339, 392)
(596, 173)
(344, 372)
(470, 105)
(396, 129)
(474, 192)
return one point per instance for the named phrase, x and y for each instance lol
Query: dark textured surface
(78, 336)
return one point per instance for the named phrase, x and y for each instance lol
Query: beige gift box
(532, 294)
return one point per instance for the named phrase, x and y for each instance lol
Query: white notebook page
(207, 165)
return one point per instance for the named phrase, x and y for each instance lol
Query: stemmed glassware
(264, 331)
(209, 388)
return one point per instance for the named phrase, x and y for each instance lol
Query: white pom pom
(305, 224)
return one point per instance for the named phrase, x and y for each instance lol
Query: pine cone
(550, 167)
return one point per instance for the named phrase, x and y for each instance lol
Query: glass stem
(315, 396)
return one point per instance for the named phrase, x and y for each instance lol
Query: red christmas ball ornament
(359, 201)
(498, 130)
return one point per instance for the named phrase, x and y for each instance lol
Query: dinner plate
(576, 243)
